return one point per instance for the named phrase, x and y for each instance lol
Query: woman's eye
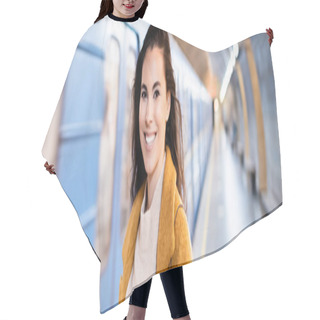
(156, 93)
(143, 94)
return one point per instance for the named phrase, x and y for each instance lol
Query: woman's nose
(149, 113)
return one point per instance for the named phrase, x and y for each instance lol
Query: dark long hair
(173, 138)
(106, 7)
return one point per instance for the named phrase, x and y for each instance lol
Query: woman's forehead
(153, 65)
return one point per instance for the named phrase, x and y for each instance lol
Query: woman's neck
(152, 183)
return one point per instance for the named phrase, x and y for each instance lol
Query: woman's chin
(149, 162)
(150, 155)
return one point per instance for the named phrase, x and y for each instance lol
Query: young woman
(157, 236)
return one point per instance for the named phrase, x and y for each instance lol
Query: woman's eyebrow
(157, 83)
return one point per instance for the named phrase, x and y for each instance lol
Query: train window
(126, 142)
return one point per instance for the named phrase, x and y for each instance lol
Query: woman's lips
(128, 6)
(149, 139)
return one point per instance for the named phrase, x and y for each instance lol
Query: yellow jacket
(174, 244)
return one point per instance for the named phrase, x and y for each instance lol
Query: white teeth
(150, 139)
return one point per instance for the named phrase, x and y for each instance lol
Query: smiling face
(126, 8)
(154, 110)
